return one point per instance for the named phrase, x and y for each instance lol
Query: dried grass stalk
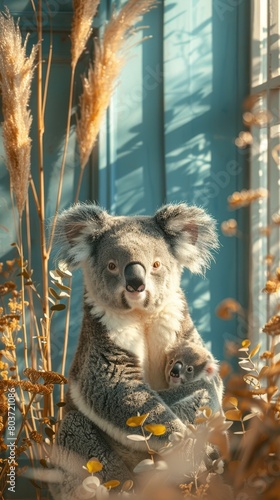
(16, 72)
(108, 61)
(84, 12)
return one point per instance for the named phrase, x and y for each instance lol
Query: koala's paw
(200, 398)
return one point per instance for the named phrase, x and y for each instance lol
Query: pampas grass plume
(98, 86)
(84, 12)
(16, 72)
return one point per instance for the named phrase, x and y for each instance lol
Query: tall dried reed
(104, 71)
(84, 12)
(16, 71)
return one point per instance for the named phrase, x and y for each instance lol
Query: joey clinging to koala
(188, 362)
(134, 311)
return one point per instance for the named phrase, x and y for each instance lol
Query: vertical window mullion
(268, 107)
(265, 155)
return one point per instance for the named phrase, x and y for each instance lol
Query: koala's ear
(191, 233)
(76, 229)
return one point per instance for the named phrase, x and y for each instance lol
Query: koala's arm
(108, 388)
(187, 398)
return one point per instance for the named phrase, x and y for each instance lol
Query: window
(263, 114)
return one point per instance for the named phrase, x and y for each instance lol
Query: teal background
(168, 136)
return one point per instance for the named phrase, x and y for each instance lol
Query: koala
(134, 310)
(188, 362)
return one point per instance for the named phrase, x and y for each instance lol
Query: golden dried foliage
(99, 84)
(227, 308)
(272, 327)
(49, 377)
(7, 287)
(244, 139)
(36, 436)
(84, 12)
(3, 404)
(245, 197)
(16, 72)
(229, 227)
(5, 385)
(272, 286)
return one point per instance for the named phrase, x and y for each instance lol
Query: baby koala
(188, 362)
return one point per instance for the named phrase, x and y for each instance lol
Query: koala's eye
(112, 266)
(171, 362)
(156, 264)
(190, 369)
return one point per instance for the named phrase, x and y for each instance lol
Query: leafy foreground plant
(191, 456)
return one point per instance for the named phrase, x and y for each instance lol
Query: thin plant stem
(35, 195)
(48, 401)
(25, 345)
(48, 70)
(15, 217)
(29, 290)
(68, 309)
(67, 320)
(33, 5)
(28, 232)
(62, 169)
(82, 170)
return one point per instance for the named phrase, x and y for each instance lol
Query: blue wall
(167, 137)
(172, 124)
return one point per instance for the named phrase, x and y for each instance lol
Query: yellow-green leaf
(263, 372)
(50, 433)
(94, 466)
(251, 380)
(112, 484)
(58, 307)
(43, 462)
(63, 272)
(137, 421)
(200, 420)
(63, 287)
(127, 485)
(156, 429)
(207, 412)
(54, 293)
(255, 350)
(230, 400)
(246, 343)
(233, 414)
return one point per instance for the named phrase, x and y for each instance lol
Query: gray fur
(119, 367)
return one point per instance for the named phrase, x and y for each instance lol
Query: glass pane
(274, 38)
(274, 189)
(259, 42)
(259, 241)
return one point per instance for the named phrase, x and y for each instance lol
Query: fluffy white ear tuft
(191, 233)
(76, 230)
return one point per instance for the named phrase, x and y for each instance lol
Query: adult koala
(134, 310)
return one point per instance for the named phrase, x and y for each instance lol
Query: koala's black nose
(135, 275)
(176, 370)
